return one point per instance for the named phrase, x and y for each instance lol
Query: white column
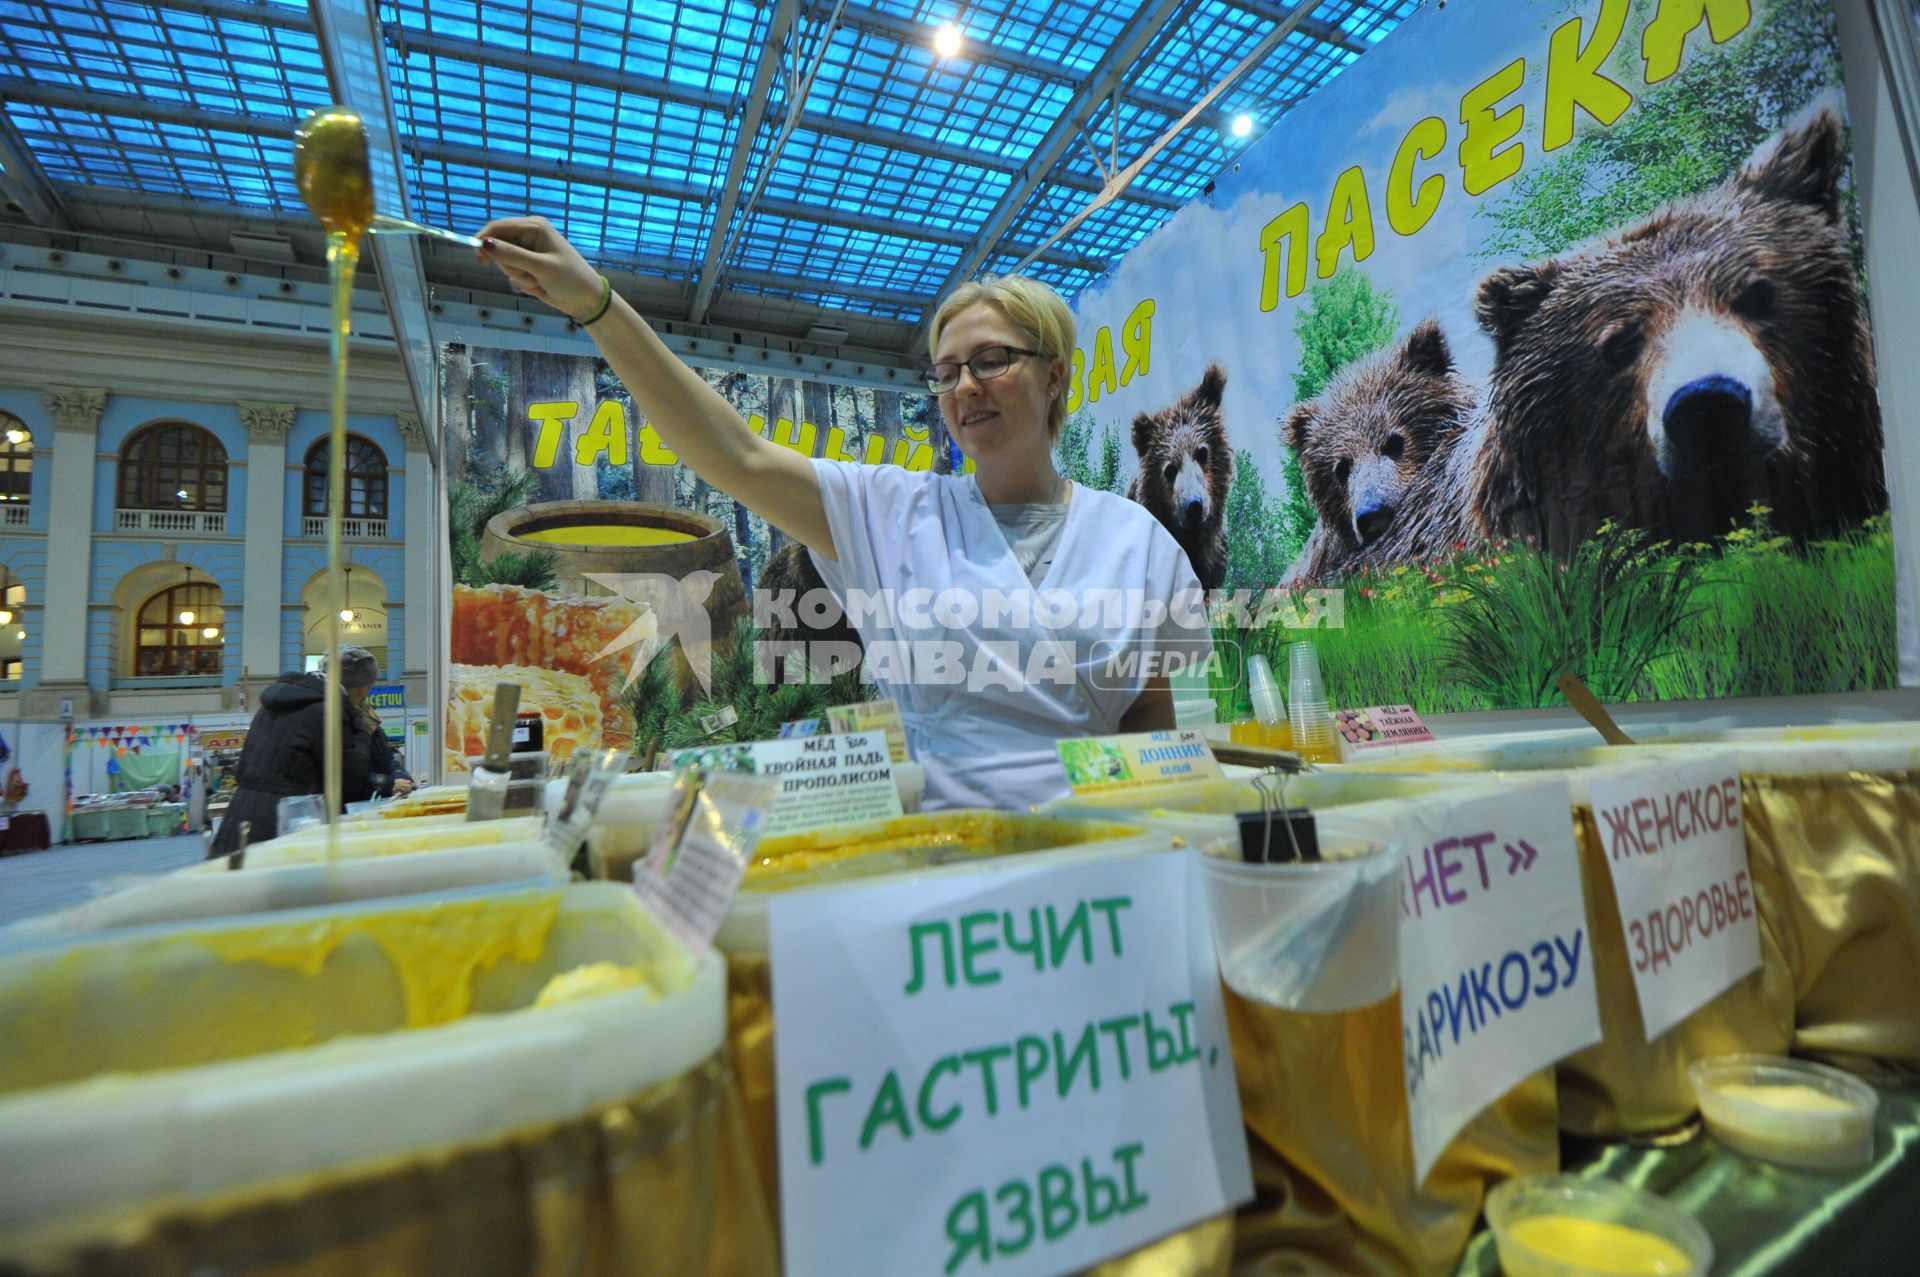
(267, 426)
(422, 553)
(76, 428)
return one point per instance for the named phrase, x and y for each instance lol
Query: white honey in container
(1792, 1112)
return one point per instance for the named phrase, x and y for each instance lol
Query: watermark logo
(1109, 639)
(673, 608)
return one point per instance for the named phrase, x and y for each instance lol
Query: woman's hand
(538, 261)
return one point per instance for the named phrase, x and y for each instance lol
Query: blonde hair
(1040, 314)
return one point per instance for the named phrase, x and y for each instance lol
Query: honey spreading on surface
(435, 952)
(606, 534)
(592, 980)
(1789, 1097)
(910, 843)
(1596, 1245)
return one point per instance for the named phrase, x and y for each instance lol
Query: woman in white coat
(1003, 610)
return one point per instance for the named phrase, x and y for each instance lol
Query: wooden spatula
(1581, 698)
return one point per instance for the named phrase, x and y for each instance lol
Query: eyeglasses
(985, 366)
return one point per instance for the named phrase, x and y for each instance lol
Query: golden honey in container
(1793, 1112)
(621, 534)
(221, 1093)
(1573, 1226)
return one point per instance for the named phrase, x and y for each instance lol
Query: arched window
(13, 624)
(366, 480)
(173, 465)
(16, 459)
(181, 631)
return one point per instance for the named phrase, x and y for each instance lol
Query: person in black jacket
(388, 774)
(285, 747)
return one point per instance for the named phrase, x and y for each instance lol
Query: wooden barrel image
(617, 537)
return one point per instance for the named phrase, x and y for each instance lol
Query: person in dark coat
(285, 748)
(388, 774)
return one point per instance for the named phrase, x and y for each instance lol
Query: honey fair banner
(581, 549)
(1540, 332)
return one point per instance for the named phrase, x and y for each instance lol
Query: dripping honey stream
(331, 168)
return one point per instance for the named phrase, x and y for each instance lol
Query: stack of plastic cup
(1313, 734)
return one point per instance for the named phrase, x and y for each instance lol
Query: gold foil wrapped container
(367, 1088)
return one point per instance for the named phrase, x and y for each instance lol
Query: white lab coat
(984, 696)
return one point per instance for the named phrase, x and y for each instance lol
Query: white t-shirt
(988, 668)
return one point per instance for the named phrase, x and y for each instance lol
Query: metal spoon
(384, 225)
(330, 167)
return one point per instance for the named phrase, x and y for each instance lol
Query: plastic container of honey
(1572, 1226)
(1793, 1112)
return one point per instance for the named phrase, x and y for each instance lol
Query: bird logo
(674, 608)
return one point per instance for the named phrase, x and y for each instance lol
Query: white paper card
(825, 781)
(700, 853)
(1017, 1071)
(1676, 845)
(1496, 977)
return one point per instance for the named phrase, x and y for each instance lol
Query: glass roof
(621, 121)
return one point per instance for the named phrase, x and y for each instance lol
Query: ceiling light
(212, 631)
(946, 41)
(186, 616)
(346, 616)
(20, 634)
(16, 435)
(1242, 125)
(6, 617)
(181, 494)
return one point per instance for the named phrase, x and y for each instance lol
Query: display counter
(111, 823)
(1767, 1219)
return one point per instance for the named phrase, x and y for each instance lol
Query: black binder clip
(1277, 834)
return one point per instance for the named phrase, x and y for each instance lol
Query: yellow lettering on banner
(1574, 77)
(1074, 376)
(837, 445)
(1284, 239)
(1407, 209)
(652, 451)
(605, 437)
(1136, 339)
(795, 437)
(1666, 36)
(1484, 161)
(552, 419)
(912, 456)
(1349, 222)
(1101, 379)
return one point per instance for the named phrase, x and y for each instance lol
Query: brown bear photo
(1380, 449)
(1186, 468)
(1672, 375)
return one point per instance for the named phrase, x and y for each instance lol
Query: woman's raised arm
(702, 428)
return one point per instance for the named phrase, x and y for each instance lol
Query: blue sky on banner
(1204, 267)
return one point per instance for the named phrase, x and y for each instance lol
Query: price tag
(1496, 971)
(696, 861)
(1377, 726)
(881, 715)
(1016, 1072)
(1677, 849)
(823, 780)
(1139, 758)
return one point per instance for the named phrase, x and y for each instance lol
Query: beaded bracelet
(606, 302)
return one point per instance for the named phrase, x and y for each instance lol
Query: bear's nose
(1195, 512)
(1373, 522)
(1707, 414)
